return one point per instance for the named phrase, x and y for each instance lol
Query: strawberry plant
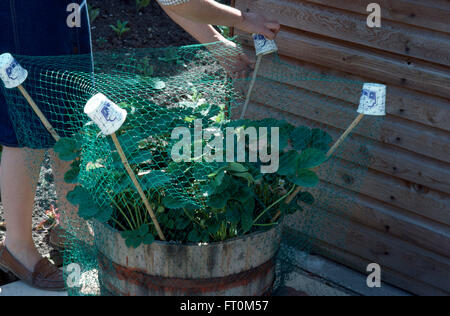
(194, 201)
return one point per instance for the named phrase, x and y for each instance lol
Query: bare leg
(70, 221)
(18, 180)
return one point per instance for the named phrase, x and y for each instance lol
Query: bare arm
(202, 32)
(212, 12)
(230, 56)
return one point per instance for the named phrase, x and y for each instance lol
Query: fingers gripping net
(196, 199)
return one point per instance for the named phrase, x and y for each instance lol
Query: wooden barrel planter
(239, 267)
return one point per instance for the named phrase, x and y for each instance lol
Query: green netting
(195, 200)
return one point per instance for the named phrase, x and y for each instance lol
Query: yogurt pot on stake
(13, 76)
(263, 46)
(372, 102)
(109, 117)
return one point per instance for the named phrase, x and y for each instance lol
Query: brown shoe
(45, 275)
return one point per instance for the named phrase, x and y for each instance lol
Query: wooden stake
(252, 84)
(345, 135)
(138, 186)
(39, 113)
(329, 154)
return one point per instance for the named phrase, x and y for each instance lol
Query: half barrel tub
(242, 266)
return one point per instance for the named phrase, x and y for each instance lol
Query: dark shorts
(39, 28)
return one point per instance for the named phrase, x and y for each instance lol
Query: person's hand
(232, 58)
(257, 24)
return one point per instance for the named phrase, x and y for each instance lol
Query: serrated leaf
(154, 179)
(173, 203)
(305, 178)
(320, 139)
(217, 201)
(67, 149)
(237, 167)
(288, 163)
(233, 215)
(143, 230)
(104, 214)
(158, 84)
(148, 239)
(78, 195)
(311, 158)
(71, 176)
(301, 137)
(246, 220)
(306, 197)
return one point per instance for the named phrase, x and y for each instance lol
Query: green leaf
(194, 236)
(78, 195)
(320, 139)
(181, 222)
(67, 149)
(173, 203)
(237, 167)
(71, 176)
(305, 178)
(301, 137)
(285, 134)
(158, 84)
(288, 163)
(88, 210)
(213, 228)
(247, 220)
(245, 175)
(148, 239)
(306, 197)
(154, 179)
(311, 158)
(104, 214)
(143, 230)
(233, 215)
(217, 201)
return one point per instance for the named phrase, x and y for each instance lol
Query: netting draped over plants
(196, 198)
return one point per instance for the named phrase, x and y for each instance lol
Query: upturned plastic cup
(108, 116)
(373, 100)
(11, 73)
(263, 46)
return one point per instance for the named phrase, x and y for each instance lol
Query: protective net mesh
(215, 213)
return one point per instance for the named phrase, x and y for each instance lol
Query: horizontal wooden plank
(384, 68)
(430, 14)
(423, 172)
(399, 133)
(375, 246)
(402, 103)
(427, 203)
(391, 221)
(352, 260)
(393, 37)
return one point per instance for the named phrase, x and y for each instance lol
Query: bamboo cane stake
(137, 185)
(252, 84)
(39, 113)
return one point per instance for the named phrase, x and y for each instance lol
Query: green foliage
(93, 13)
(236, 198)
(142, 235)
(141, 4)
(68, 149)
(120, 28)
